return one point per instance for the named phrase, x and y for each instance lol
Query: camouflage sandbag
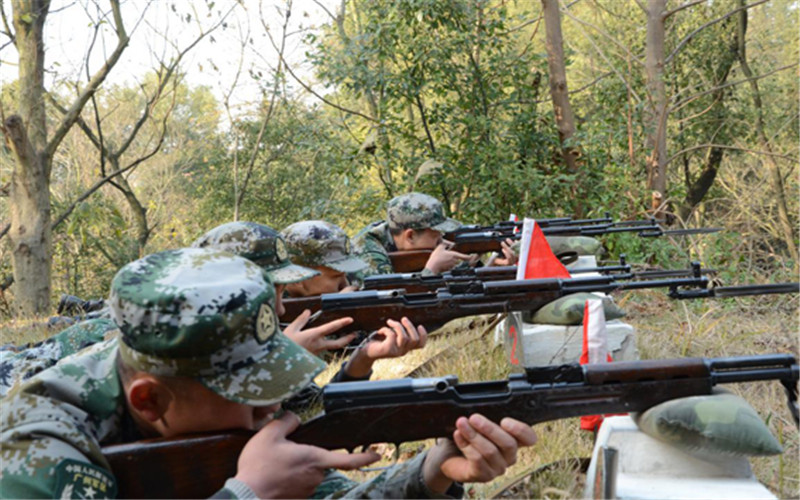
(568, 310)
(719, 424)
(583, 245)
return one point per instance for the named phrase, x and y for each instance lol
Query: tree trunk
(655, 116)
(697, 189)
(138, 212)
(565, 120)
(30, 179)
(776, 178)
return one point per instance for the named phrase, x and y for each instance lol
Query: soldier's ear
(149, 398)
(409, 235)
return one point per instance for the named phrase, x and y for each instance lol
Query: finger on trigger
(332, 345)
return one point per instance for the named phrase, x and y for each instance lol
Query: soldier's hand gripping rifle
(481, 242)
(396, 411)
(370, 309)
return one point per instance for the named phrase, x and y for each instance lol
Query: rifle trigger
(790, 386)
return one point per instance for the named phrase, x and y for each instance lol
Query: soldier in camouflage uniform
(260, 244)
(264, 246)
(200, 350)
(19, 365)
(324, 247)
(414, 221)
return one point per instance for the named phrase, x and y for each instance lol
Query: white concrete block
(544, 345)
(650, 469)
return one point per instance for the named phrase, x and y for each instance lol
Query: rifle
(70, 305)
(480, 242)
(581, 227)
(561, 222)
(736, 291)
(418, 282)
(371, 308)
(512, 226)
(397, 411)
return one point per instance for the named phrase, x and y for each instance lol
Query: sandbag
(568, 310)
(717, 424)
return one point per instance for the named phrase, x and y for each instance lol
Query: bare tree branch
(323, 7)
(691, 35)
(689, 99)
(312, 91)
(605, 58)
(94, 83)
(270, 109)
(97, 185)
(9, 32)
(684, 6)
(722, 146)
(590, 84)
(605, 35)
(97, 140)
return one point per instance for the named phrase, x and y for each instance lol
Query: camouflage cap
(418, 211)
(258, 243)
(209, 315)
(318, 243)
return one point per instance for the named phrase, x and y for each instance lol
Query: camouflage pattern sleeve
(16, 367)
(398, 481)
(47, 455)
(234, 489)
(51, 428)
(372, 245)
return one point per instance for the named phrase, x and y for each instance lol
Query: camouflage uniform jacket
(53, 427)
(18, 366)
(372, 245)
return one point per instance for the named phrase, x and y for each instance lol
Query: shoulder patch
(75, 479)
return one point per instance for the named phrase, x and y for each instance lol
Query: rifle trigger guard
(790, 386)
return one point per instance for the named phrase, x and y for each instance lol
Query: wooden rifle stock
(396, 411)
(193, 466)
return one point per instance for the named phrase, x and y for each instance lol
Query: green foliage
(451, 82)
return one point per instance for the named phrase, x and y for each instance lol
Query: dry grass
(21, 332)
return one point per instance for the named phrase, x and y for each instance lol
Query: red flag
(594, 334)
(538, 259)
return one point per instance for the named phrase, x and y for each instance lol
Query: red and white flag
(536, 260)
(514, 218)
(595, 349)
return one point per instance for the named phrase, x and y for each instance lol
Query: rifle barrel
(737, 291)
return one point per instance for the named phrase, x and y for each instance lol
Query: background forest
(694, 101)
